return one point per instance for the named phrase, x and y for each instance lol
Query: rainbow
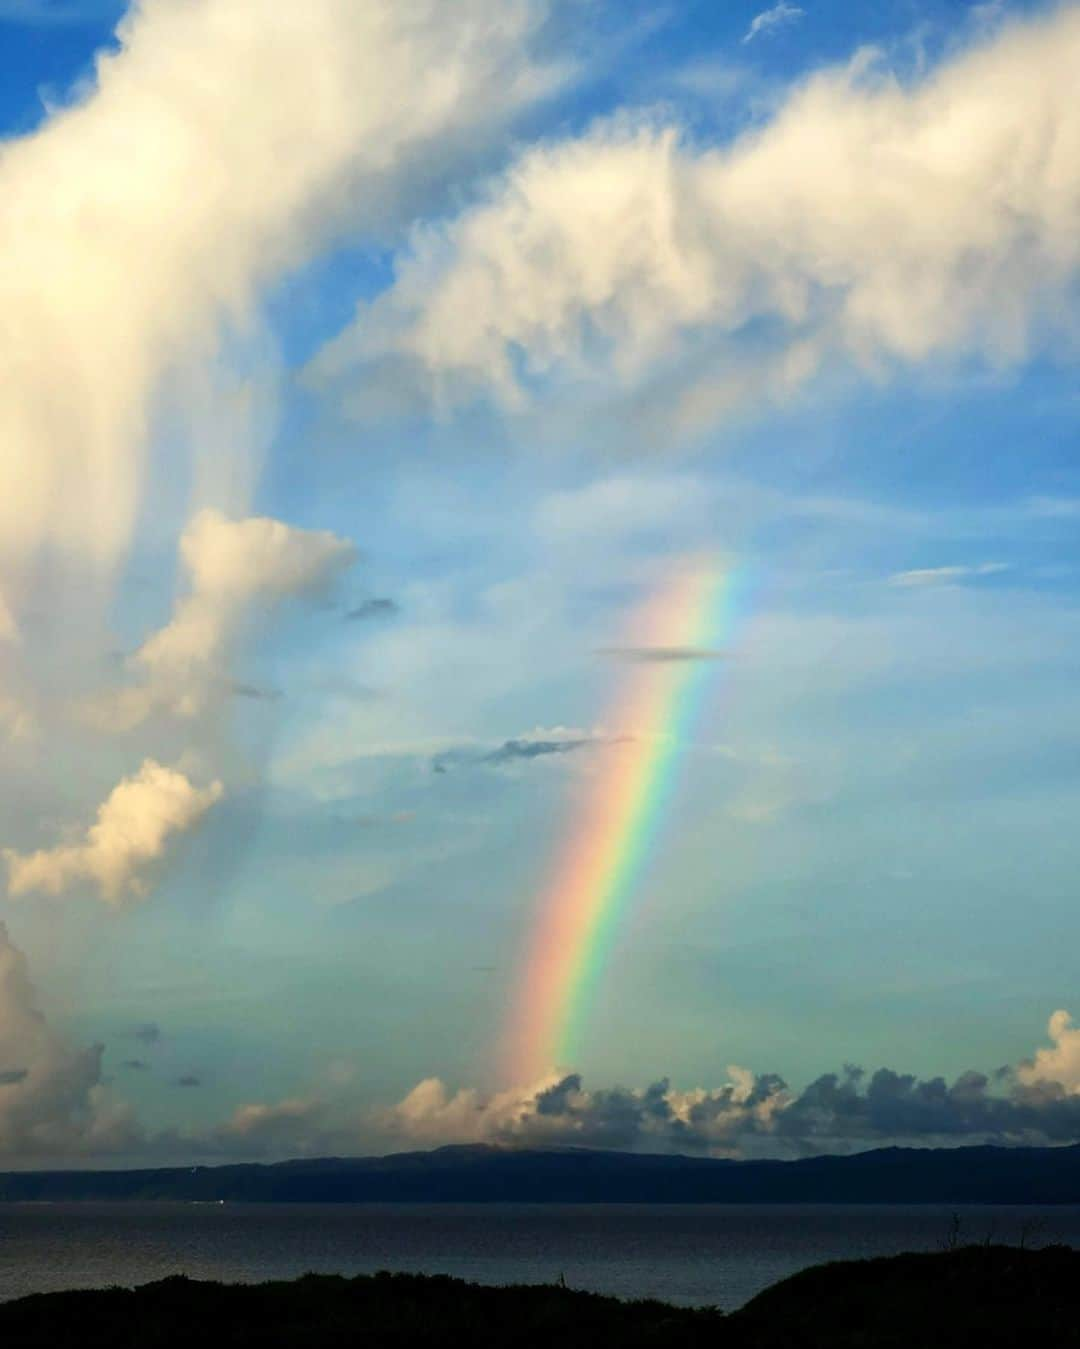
(671, 652)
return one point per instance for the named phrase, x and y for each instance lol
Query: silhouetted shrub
(993, 1297)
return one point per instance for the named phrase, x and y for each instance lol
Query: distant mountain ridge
(481, 1174)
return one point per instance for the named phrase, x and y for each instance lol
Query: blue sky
(372, 368)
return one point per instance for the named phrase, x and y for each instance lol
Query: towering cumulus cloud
(1061, 1063)
(134, 826)
(866, 222)
(224, 140)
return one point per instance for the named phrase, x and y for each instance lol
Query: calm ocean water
(715, 1254)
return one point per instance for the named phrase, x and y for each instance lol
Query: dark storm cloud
(510, 751)
(853, 1108)
(848, 1106)
(613, 1116)
(379, 607)
(149, 1033)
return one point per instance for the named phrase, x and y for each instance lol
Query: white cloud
(221, 144)
(429, 1113)
(238, 558)
(1062, 1062)
(234, 568)
(932, 576)
(781, 15)
(134, 826)
(230, 564)
(261, 1124)
(560, 1110)
(866, 222)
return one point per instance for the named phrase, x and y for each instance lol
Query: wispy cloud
(1054, 508)
(662, 654)
(538, 745)
(781, 15)
(378, 607)
(936, 576)
(253, 692)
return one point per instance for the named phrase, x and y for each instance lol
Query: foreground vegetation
(975, 1295)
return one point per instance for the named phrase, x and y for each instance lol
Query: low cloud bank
(750, 1115)
(56, 1104)
(1036, 1102)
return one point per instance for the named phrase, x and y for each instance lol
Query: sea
(693, 1255)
